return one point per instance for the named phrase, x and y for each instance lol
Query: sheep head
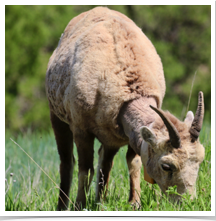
(171, 151)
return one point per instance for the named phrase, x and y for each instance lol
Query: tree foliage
(181, 35)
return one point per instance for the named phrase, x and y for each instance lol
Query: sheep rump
(102, 61)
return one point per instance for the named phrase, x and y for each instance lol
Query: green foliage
(173, 190)
(29, 189)
(181, 35)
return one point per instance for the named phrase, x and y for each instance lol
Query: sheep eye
(166, 167)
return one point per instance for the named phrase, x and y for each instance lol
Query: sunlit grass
(27, 188)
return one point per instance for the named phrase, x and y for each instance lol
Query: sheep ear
(189, 118)
(148, 135)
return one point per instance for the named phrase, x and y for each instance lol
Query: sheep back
(102, 61)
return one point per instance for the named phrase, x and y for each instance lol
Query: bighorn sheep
(105, 80)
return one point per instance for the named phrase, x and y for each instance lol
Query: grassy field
(27, 188)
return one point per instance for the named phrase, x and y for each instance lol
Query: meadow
(28, 188)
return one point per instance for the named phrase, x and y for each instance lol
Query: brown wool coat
(102, 60)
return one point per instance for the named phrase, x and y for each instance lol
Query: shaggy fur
(102, 61)
(100, 81)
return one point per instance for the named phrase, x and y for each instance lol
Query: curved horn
(198, 119)
(173, 133)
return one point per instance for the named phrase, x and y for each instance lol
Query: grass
(27, 188)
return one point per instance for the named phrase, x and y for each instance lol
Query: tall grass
(27, 188)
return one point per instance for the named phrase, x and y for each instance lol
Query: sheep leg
(105, 164)
(134, 166)
(85, 144)
(64, 140)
